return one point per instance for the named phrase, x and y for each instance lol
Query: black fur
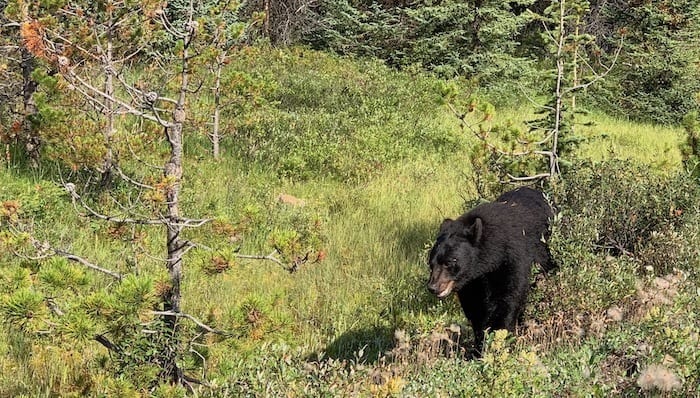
(486, 256)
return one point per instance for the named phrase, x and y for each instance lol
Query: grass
(612, 138)
(358, 321)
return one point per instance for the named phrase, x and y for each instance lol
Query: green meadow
(376, 163)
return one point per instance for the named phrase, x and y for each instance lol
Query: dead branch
(45, 251)
(78, 259)
(131, 180)
(191, 318)
(181, 222)
(271, 257)
(529, 178)
(96, 91)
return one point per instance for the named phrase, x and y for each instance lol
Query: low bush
(618, 207)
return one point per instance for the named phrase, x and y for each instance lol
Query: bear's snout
(440, 285)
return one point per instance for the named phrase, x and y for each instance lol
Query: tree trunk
(574, 66)
(108, 132)
(175, 246)
(266, 22)
(30, 139)
(558, 111)
(215, 135)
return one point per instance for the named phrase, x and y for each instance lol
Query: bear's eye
(452, 264)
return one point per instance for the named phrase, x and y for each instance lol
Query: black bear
(486, 256)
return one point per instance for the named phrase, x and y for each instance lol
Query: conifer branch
(100, 338)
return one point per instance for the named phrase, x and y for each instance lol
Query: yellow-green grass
(608, 137)
(376, 235)
(613, 138)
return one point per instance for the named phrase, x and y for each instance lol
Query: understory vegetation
(344, 170)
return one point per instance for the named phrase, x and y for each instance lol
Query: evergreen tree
(87, 64)
(659, 78)
(476, 39)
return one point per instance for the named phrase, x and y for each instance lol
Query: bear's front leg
(505, 317)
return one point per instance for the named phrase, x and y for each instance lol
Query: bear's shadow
(364, 345)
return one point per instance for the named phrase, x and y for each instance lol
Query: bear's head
(453, 257)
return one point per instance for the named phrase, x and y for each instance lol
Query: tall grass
(614, 138)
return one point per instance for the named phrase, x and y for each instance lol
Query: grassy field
(377, 171)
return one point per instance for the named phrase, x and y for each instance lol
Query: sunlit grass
(611, 138)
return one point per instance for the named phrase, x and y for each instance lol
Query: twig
(597, 75)
(182, 222)
(529, 178)
(191, 318)
(131, 180)
(269, 257)
(46, 251)
(78, 259)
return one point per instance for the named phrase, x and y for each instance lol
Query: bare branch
(138, 158)
(532, 100)
(529, 178)
(127, 107)
(191, 318)
(88, 264)
(92, 213)
(269, 257)
(131, 180)
(597, 75)
(45, 251)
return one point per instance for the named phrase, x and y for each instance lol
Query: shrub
(619, 207)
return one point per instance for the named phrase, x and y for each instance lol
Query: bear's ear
(475, 230)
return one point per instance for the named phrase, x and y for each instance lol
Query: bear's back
(529, 198)
(522, 211)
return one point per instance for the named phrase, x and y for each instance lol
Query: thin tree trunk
(215, 135)
(108, 132)
(554, 159)
(30, 139)
(176, 246)
(575, 66)
(266, 23)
